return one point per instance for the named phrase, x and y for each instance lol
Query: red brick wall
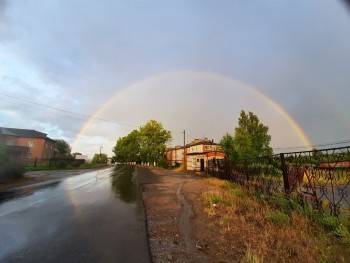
(39, 148)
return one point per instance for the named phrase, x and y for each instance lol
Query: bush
(9, 169)
(163, 163)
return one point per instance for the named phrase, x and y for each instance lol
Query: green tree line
(144, 145)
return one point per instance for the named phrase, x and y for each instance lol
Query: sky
(191, 64)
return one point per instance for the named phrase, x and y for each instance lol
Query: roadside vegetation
(65, 160)
(9, 169)
(273, 228)
(43, 167)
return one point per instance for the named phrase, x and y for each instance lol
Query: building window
(30, 144)
(197, 160)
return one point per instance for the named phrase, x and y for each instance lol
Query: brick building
(38, 145)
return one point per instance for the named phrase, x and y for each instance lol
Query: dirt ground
(169, 210)
(178, 229)
(187, 224)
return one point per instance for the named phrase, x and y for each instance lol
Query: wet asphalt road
(93, 217)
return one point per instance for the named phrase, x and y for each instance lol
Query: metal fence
(319, 177)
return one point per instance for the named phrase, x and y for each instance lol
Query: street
(93, 217)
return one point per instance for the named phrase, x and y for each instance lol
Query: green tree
(153, 139)
(120, 150)
(127, 148)
(228, 144)
(99, 158)
(251, 137)
(62, 148)
(144, 145)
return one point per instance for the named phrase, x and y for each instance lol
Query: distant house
(198, 153)
(81, 157)
(38, 145)
(175, 155)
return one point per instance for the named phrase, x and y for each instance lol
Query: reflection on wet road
(93, 217)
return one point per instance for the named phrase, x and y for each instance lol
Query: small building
(81, 157)
(198, 153)
(175, 156)
(38, 145)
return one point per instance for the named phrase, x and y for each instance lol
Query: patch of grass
(280, 229)
(278, 218)
(251, 257)
(212, 198)
(337, 226)
(332, 224)
(46, 167)
(215, 199)
(234, 189)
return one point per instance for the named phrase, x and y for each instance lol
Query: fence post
(285, 174)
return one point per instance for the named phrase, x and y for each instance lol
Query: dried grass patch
(261, 233)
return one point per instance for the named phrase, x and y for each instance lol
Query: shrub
(9, 169)
(163, 163)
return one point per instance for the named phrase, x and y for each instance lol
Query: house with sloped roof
(198, 153)
(37, 144)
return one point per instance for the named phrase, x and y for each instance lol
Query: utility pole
(101, 151)
(184, 157)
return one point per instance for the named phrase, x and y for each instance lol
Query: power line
(85, 117)
(80, 116)
(313, 145)
(73, 114)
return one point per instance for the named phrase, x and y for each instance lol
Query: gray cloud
(83, 52)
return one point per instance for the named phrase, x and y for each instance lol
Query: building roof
(174, 148)
(204, 141)
(22, 133)
(206, 152)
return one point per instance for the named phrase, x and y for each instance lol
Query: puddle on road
(123, 184)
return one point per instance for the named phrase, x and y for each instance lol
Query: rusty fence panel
(319, 177)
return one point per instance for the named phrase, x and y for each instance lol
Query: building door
(202, 165)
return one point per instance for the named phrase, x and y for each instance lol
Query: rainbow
(276, 106)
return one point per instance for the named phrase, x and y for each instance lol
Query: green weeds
(278, 218)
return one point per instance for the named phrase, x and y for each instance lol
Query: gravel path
(170, 215)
